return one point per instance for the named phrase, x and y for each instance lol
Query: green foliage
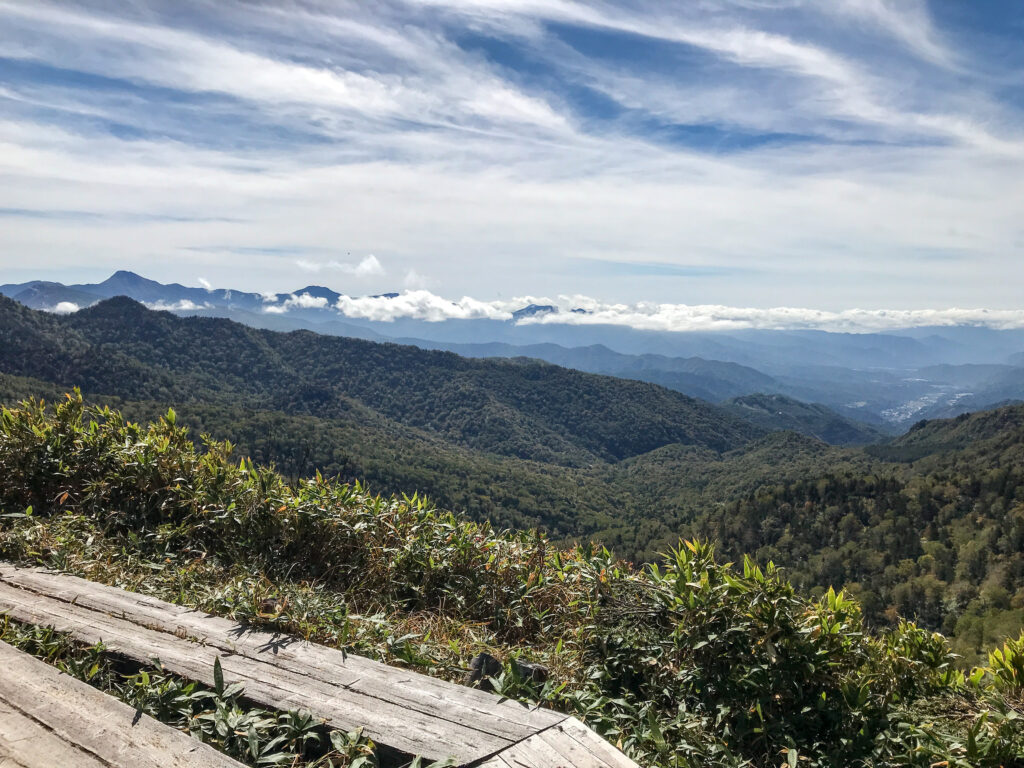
(1006, 666)
(690, 662)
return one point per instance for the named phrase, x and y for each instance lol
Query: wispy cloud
(618, 268)
(366, 267)
(414, 279)
(905, 20)
(735, 152)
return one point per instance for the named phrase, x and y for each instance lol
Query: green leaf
(218, 677)
(254, 743)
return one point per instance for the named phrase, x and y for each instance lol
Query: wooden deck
(51, 720)
(404, 710)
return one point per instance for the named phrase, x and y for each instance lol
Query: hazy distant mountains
(887, 380)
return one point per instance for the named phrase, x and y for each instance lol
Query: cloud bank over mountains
(424, 305)
(649, 316)
(317, 303)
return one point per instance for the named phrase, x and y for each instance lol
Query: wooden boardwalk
(51, 720)
(404, 710)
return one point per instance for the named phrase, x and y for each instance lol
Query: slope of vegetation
(687, 663)
(778, 412)
(926, 527)
(522, 409)
(938, 536)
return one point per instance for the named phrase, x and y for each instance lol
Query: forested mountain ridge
(524, 409)
(937, 534)
(778, 412)
(710, 380)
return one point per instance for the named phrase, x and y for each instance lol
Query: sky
(841, 155)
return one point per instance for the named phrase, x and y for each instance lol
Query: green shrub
(690, 662)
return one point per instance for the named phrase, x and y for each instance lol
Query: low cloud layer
(650, 316)
(301, 301)
(177, 306)
(423, 305)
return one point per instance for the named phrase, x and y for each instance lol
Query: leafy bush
(691, 662)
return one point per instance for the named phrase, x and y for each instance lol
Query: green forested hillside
(778, 412)
(938, 536)
(524, 409)
(690, 663)
(926, 527)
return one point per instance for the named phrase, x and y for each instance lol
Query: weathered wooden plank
(48, 718)
(24, 743)
(402, 709)
(420, 692)
(396, 707)
(266, 684)
(598, 748)
(569, 744)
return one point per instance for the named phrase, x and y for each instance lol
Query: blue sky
(833, 155)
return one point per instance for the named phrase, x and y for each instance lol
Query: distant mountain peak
(319, 292)
(124, 277)
(118, 308)
(532, 310)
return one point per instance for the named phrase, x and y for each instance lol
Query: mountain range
(879, 382)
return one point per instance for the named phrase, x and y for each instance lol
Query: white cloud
(421, 305)
(305, 301)
(205, 283)
(368, 266)
(300, 301)
(414, 279)
(650, 316)
(65, 308)
(178, 306)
